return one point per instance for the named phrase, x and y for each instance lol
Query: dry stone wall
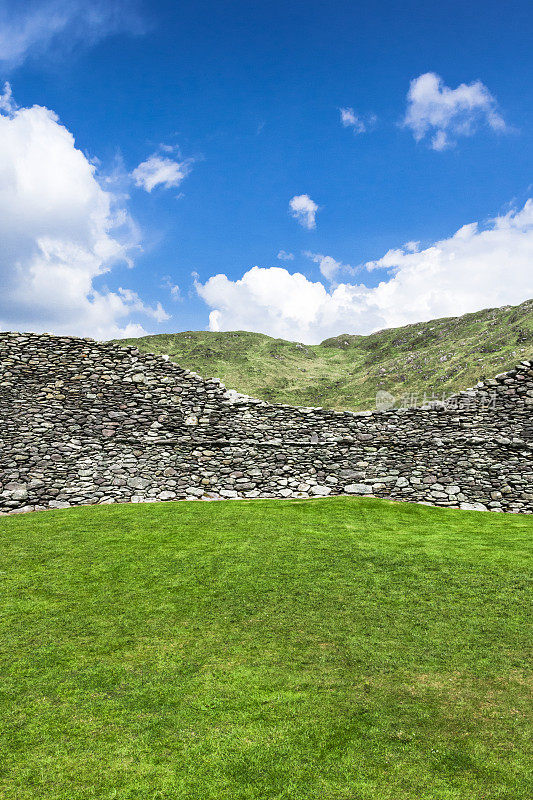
(84, 422)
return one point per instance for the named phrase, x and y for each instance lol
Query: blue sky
(244, 99)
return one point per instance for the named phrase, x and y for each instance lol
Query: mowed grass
(251, 650)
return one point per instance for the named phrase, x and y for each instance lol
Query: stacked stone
(84, 422)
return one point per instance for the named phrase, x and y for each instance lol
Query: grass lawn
(329, 649)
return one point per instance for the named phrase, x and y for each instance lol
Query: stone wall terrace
(84, 422)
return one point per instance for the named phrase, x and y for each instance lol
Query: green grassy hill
(345, 372)
(253, 650)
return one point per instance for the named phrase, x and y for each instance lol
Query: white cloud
(477, 267)
(173, 288)
(359, 124)
(60, 231)
(7, 103)
(33, 27)
(160, 170)
(283, 256)
(134, 303)
(303, 209)
(327, 265)
(434, 110)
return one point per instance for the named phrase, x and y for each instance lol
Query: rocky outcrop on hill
(84, 422)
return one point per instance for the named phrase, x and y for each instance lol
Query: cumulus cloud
(327, 265)
(478, 267)
(283, 256)
(60, 232)
(442, 114)
(160, 170)
(359, 124)
(34, 27)
(304, 210)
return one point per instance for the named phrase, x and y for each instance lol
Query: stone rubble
(84, 422)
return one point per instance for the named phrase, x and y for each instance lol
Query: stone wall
(87, 422)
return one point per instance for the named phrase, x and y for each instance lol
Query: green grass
(441, 356)
(338, 649)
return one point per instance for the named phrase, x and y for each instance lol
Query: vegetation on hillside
(431, 358)
(252, 650)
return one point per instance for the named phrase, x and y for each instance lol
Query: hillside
(345, 372)
(334, 649)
